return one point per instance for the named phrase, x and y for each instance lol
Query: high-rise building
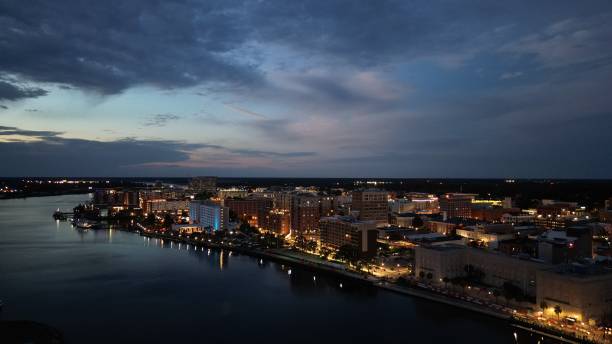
(338, 231)
(327, 207)
(372, 205)
(282, 200)
(208, 215)
(248, 209)
(275, 220)
(304, 213)
(456, 205)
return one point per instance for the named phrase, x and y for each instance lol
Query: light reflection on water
(101, 286)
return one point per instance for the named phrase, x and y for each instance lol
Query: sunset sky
(306, 88)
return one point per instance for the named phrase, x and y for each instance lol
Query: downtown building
(338, 231)
(276, 221)
(249, 209)
(583, 292)
(456, 205)
(371, 205)
(450, 261)
(305, 214)
(210, 216)
(164, 205)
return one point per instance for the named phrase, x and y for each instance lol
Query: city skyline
(315, 89)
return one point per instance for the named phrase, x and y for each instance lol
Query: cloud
(11, 92)
(47, 153)
(567, 42)
(245, 111)
(108, 47)
(160, 120)
(510, 75)
(6, 131)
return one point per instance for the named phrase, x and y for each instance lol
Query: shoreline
(380, 284)
(371, 281)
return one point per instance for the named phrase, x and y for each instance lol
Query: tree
(232, 215)
(348, 252)
(325, 252)
(311, 246)
(150, 219)
(558, 310)
(544, 306)
(445, 280)
(168, 221)
(417, 222)
(497, 294)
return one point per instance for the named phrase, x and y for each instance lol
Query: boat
(58, 215)
(84, 224)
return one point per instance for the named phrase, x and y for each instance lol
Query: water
(113, 286)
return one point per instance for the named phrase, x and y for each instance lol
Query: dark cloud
(49, 154)
(109, 46)
(260, 153)
(12, 92)
(160, 120)
(4, 131)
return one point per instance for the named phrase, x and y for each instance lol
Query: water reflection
(152, 291)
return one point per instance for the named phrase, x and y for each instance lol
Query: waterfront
(114, 286)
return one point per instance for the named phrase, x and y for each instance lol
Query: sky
(329, 88)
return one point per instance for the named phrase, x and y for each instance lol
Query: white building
(208, 215)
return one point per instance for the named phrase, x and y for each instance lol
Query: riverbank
(302, 260)
(291, 258)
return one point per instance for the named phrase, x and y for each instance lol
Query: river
(109, 286)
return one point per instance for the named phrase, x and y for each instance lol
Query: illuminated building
(116, 198)
(456, 205)
(304, 213)
(556, 246)
(491, 214)
(275, 220)
(326, 205)
(372, 205)
(449, 261)
(163, 205)
(583, 292)
(489, 235)
(416, 202)
(337, 231)
(232, 193)
(208, 215)
(248, 209)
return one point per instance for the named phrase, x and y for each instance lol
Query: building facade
(338, 231)
(249, 209)
(582, 292)
(449, 261)
(276, 221)
(456, 205)
(210, 216)
(305, 214)
(372, 205)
